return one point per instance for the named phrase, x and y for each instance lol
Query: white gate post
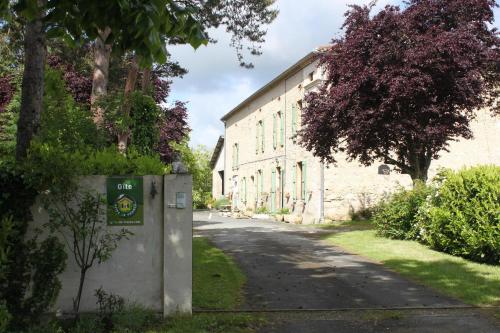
(177, 248)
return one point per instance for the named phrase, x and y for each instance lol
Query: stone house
(264, 168)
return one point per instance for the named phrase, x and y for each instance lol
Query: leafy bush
(283, 211)
(134, 318)
(108, 305)
(463, 217)
(261, 210)
(5, 318)
(223, 201)
(145, 116)
(63, 122)
(395, 216)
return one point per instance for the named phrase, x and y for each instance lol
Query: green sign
(125, 201)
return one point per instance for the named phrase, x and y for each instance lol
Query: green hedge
(459, 213)
(463, 217)
(395, 216)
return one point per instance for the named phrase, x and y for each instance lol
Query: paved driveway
(288, 267)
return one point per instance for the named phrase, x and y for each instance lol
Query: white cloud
(216, 83)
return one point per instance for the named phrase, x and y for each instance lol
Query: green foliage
(5, 318)
(262, 210)
(8, 126)
(463, 217)
(219, 203)
(28, 283)
(134, 318)
(217, 280)
(81, 223)
(63, 122)
(283, 211)
(145, 117)
(108, 305)
(197, 162)
(395, 216)
(109, 161)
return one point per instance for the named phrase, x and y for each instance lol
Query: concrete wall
(137, 268)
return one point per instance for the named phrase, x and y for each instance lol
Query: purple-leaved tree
(173, 129)
(401, 84)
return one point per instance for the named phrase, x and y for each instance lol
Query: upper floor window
(278, 130)
(259, 137)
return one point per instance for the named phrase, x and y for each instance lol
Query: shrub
(283, 211)
(145, 117)
(463, 217)
(261, 210)
(4, 318)
(223, 201)
(395, 216)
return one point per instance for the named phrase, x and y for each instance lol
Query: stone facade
(265, 167)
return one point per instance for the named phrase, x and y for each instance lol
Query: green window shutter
(275, 138)
(262, 134)
(257, 187)
(294, 182)
(282, 129)
(304, 180)
(237, 154)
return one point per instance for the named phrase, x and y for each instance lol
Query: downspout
(224, 182)
(322, 193)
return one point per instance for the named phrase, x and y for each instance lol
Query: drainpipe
(322, 194)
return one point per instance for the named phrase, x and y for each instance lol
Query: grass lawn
(217, 284)
(473, 283)
(217, 281)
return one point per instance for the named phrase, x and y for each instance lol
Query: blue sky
(216, 83)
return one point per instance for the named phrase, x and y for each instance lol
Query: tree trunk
(32, 84)
(76, 301)
(100, 77)
(146, 81)
(129, 88)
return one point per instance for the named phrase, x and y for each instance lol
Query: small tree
(81, 224)
(402, 84)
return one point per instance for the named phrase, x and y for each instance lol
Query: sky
(216, 83)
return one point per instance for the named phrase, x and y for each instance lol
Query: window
(311, 76)
(278, 121)
(299, 181)
(275, 134)
(259, 137)
(282, 128)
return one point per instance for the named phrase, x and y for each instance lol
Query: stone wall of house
(348, 186)
(217, 180)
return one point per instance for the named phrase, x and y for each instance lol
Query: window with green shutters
(282, 129)
(275, 134)
(294, 121)
(294, 182)
(235, 155)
